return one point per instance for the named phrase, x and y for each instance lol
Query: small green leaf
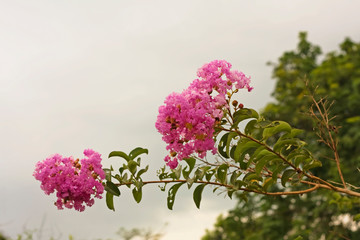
(222, 145)
(119, 154)
(125, 177)
(200, 172)
(242, 114)
(197, 194)
(138, 151)
(301, 160)
(296, 178)
(260, 164)
(137, 193)
(281, 143)
(313, 164)
(232, 151)
(299, 238)
(132, 165)
(242, 148)
(264, 124)
(268, 182)
(238, 184)
(110, 201)
(251, 176)
(280, 126)
(107, 174)
(228, 141)
(250, 127)
(278, 170)
(286, 175)
(176, 173)
(190, 182)
(142, 171)
(209, 174)
(222, 173)
(230, 192)
(171, 195)
(234, 177)
(112, 188)
(191, 163)
(294, 132)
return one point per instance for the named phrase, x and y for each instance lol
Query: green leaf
(200, 172)
(107, 174)
(242, 148)
(110, 201)
(268, 182)
(301, 160)
(132, 165)
(286, 175)
(296, 178)
(294, 132)
(137, 193)
(260, 164)
(191, 163)
(239, 183)
(190, 182)
(138, 151)
(250, 126)
(278, 170)
(197, 194)
(171, 195)
(228, 141)
(112, 188)
(176, 173)
(242, 114)
(222, 173)
(209, 174)
(280, 126)
(222, 145)
(264, 124)
(299, 238)
(252, 176)
(119, 154)
(232, 152)
(230, 192)
(234, 177)
(313, 164)
(142, 171)
(281, 143)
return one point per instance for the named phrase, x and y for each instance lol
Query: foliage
(255, 155)
(318, 214)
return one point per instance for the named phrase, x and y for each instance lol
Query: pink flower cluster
(75, 181)
(187, 119)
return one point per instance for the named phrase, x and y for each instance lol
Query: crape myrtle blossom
(187, 119)
(76, 182)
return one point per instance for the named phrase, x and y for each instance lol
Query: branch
(329, 141)
(316, 186)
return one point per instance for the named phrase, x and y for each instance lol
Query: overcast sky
(92, 74)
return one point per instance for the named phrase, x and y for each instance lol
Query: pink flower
(76, 182)
(187, 119)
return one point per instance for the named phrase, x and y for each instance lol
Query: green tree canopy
(298, 74)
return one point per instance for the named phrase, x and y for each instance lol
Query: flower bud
(235, 103)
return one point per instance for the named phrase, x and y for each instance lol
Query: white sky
(92, 74)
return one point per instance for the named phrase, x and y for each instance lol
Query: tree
(299, 75)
